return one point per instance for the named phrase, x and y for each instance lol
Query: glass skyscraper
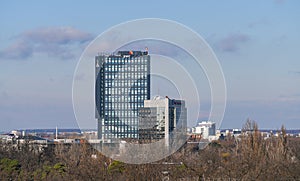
(122, 84)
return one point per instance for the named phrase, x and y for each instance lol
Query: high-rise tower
(122, 84)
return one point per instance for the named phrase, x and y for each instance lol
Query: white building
(160, 116)
(207, 129)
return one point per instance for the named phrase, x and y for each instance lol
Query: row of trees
(250, 157)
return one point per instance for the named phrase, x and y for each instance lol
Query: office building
(122, 84)
(160, 117)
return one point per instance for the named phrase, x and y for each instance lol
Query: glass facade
(122, 85)
(160, 117)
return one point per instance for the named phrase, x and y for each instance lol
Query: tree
(9, 168)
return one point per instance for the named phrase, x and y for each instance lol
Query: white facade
(207, 129)
(170, 115)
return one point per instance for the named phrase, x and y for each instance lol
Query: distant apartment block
(206, 129)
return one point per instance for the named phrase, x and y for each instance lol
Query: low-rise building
(206, 129)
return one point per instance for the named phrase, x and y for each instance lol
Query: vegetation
(249, 157)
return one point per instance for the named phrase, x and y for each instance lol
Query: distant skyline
(256, 42)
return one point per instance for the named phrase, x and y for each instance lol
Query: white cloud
(56, 35)
(53, 41)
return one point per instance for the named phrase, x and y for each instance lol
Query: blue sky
(256, 42)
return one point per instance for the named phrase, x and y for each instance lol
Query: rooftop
(127, 53)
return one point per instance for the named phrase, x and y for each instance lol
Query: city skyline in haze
(256, 42)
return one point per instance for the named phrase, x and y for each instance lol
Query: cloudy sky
(256, 42)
